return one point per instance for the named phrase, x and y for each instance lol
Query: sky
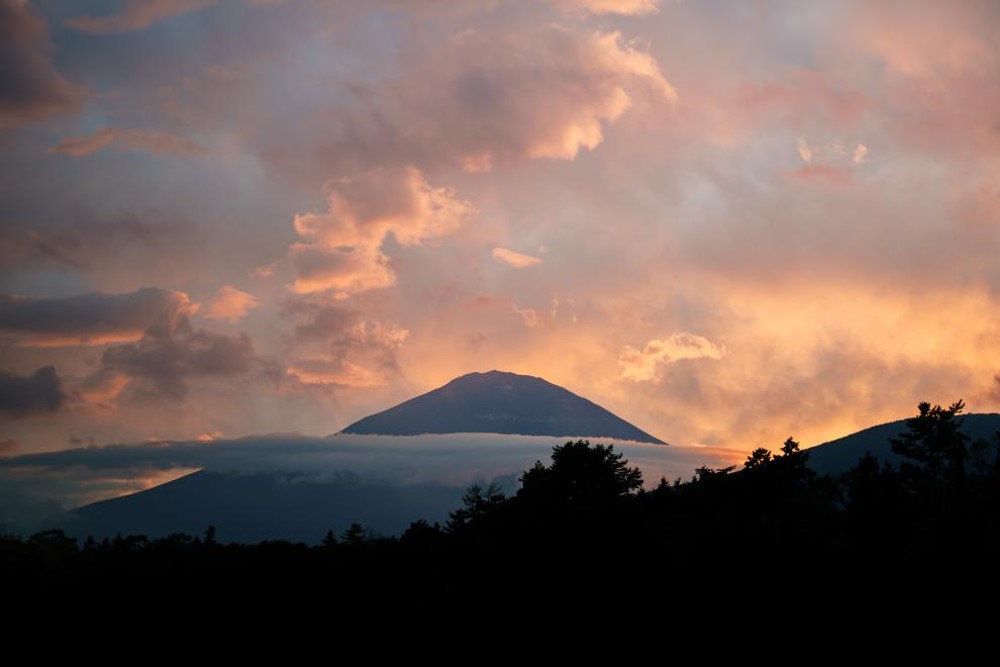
(728, 223)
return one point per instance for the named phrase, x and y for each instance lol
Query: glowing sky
(726, 222)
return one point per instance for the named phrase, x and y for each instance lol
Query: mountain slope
(498, 402)
(266, 506)
(842, 454)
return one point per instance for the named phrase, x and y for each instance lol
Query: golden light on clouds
(784, 226)
(230, 304)
(516, 259)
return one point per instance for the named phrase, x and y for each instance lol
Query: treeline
(583, 525)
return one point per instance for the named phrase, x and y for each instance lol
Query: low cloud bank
(36, 488)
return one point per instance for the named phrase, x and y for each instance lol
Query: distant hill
(842, 454)
(266, 506)
(498, 402)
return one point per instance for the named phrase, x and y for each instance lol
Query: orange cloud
(647, 363)
(230, 304)
(134, 140)
(362, 355)
(626, 7)
(515, 259)
(927, 39)
(99, 392)
(343, 252)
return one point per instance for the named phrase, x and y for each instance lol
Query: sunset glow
(727, 223)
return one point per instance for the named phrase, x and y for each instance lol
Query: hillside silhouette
(582, 529)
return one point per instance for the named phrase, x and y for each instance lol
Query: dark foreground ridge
(581, 533)
(499, 402)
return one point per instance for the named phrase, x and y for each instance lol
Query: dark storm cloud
(92, 318)
(30, 87)
(21, 396)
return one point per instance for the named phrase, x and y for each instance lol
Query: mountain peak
(501, 402)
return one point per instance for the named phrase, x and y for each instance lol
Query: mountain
(267, 506)
(498, 402)
(840, 455)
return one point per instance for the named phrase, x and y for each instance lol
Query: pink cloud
(343, 248)
(626, 7)
(483, 98)
(126, 139)
(515, 259)
(230, 304)
(803, 97)
(822, 174)
(359, 354)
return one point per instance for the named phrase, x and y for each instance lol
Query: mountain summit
(498, 402)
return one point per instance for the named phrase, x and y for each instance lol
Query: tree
(936, 452)
(329, 540)
(355, 535)
(934, 445)
(580, 473)
(758, 458)
(477, 503)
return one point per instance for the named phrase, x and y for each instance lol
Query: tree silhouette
(477, 504)
(581, 472)
(933, 439)
(355, 535)
(936, 451)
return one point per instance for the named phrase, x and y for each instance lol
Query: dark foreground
(581, 535)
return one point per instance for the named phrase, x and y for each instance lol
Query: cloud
(480, 99)
(343, 251)
(30, 87)
(899, 34)
(162, 143)
(860, 154)
(69, 477)
(9, 447)
(90, 319)
(805, 152)
(530, 317)
(515, 259)
(21, 396)
(338, 346)
(230, 304)
(138, 15)
(646, 364)
(165, 359)
(115, 247)
(98, 393)
(626, 7)
(822, 174)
